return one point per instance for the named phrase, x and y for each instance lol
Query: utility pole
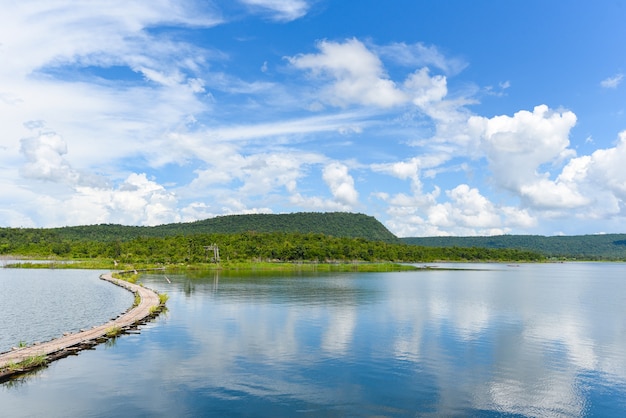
(216, 253)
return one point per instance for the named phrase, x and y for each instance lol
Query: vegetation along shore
(298, 241)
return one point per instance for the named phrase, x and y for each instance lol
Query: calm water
(533, 340)
(39, 305)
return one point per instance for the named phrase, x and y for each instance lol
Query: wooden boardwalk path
(72, 343)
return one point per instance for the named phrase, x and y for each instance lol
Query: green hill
(587, 247)
(289, 237)
(337, 224)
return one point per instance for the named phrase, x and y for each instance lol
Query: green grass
(300, 266)
(246, 266)
(163, 298)
(113, 331)
(28, 363)
(137, 300)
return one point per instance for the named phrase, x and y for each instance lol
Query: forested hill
(337, 224)
(588, 247)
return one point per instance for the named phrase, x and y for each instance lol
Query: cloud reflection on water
(513, 340)
(530, 340)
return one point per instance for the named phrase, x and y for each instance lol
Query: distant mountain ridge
(337, 224)
(587, 247)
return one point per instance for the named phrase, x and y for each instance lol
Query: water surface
(38, 305)
(497, 340)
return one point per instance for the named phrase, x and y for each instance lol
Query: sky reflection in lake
(532, 340)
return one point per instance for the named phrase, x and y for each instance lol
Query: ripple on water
(42, 304)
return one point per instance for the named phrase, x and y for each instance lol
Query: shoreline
(15, 362)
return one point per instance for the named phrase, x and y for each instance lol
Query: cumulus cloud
(468, 208)
(517, 148)
(342, 188)
(466, 212)
(357, 75)
(230, 171)
(142, 201)
(411, 169)
(315, 203)
(44, 155)
(341, 184)
(606, 167)
(87, 198)
(528, 154)
(522, 150)
(351, 73)
(547, 194)
(137, 200)
(601, 178)
(425, 89)
(45, 160)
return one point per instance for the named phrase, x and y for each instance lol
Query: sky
(438, 118)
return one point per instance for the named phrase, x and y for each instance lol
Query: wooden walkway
(72, 343)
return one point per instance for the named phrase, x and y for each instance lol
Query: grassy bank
(246, 266)
(295, 267)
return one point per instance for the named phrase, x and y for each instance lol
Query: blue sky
(437, 118)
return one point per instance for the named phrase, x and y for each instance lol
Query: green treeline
(248, 246)
(337, 236)
(583, 247)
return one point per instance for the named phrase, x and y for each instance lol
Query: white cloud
(98, 31)
(45, 161)
(341, 184)
(518, 147)
(420, 55)
(315, 203)
(425, 89)
(607, 168)
(412, 168)
(281, 10)
(340, 123)
(551, 195)
(469, 208)
(93, 95)
(468, 212)
(612, 82)
(136, 201)
(142, 201)
(601, 178)
(465, 212)
(357, 74)
(44, 155)
(47, 45)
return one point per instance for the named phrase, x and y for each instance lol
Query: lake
(492, 340)
(42, 304)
